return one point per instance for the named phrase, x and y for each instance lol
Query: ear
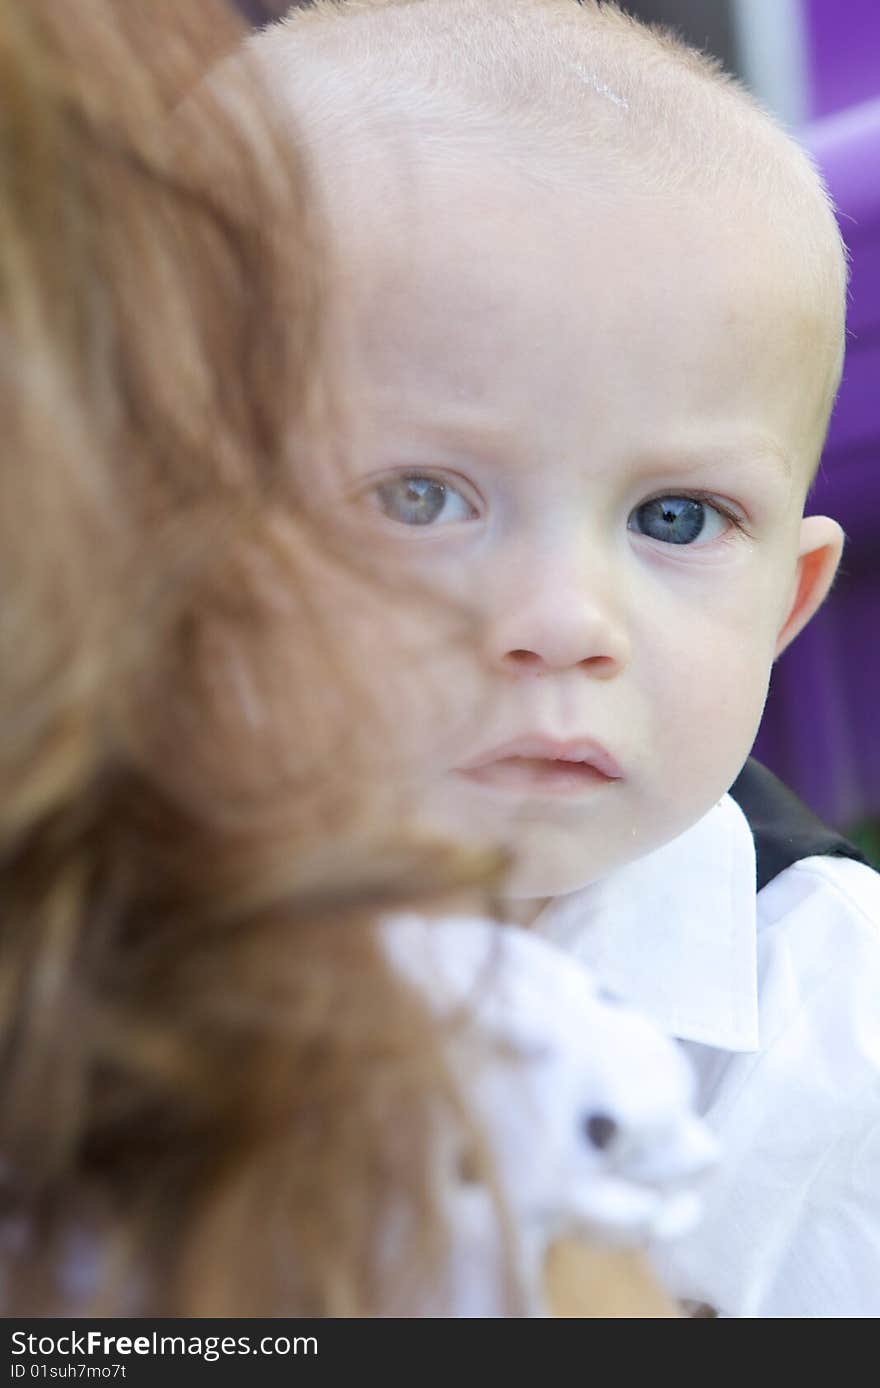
(819, 551)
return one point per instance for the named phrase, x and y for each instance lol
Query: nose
(558, 614)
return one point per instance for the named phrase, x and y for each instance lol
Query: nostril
(602, 665)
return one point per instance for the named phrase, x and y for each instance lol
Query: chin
(549, 861)
(554, 872)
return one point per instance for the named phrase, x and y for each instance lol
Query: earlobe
(821, 545)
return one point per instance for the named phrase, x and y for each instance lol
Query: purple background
(843, 43)
(821, 729)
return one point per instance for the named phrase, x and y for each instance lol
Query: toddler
(591, 300)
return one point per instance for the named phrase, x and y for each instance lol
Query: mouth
(543, 766)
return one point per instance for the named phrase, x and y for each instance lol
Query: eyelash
(451, 481)
(734, 518)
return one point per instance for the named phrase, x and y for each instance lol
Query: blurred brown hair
(216, 1093)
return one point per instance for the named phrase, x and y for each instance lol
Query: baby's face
(591, 428)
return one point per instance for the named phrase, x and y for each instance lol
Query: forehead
(474, 283)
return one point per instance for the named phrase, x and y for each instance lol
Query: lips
(540, 764)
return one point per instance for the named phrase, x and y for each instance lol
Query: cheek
(711, 619)
(407, 657)
(706, 680)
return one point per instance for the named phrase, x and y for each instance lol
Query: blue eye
(678, 520)
(414, 499)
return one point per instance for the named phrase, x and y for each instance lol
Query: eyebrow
(458, 426)
(747, 451)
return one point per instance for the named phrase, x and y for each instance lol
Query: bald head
(579, 98)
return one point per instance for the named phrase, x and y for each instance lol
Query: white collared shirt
(776, 999)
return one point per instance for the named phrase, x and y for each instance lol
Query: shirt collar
(675, 932)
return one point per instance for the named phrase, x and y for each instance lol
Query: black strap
(783, 828)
